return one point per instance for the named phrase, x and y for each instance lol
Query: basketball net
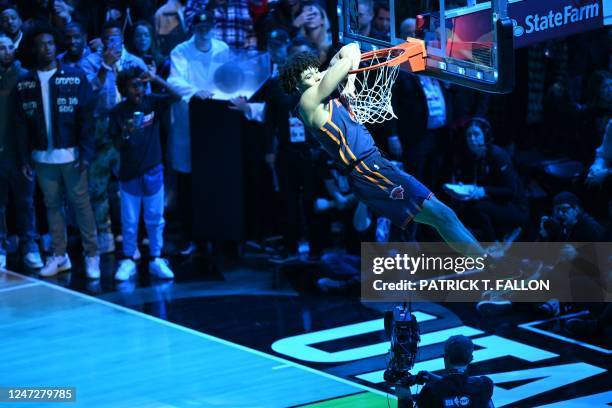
(370, 96)
(371, 100)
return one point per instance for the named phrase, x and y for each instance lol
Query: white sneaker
(127, 269)
(54, 265)
(32, 260)
(159, 268)
(106, 243)
(92, 267)
(2, 261)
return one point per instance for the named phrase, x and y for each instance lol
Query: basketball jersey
(342, 137)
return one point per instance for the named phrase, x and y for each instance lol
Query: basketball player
(374, 180)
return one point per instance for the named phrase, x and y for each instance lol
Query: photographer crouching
(455, 388)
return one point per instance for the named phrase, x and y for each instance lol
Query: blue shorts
(387, 190)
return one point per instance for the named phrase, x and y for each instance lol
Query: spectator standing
(381, 22)
(75, 41)
(190, 76)
(287, 15)
(233, 23)
(143, 44)
(289, 153)
(408, 28)
(418, 135)
(54, 132)
(57, 12)
(170, 26)
(12, 25)
(101, 69)
(259, 10)
(316, 28)
(365, 13)
(134, 129)
(11, 177)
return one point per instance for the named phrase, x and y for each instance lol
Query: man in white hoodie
(191, 76)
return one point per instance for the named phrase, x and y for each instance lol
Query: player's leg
(445, 221)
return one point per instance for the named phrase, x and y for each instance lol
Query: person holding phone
(102, 68)
(134, 128)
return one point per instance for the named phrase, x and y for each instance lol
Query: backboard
(468, 42)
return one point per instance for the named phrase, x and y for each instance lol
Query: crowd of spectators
(94, 105)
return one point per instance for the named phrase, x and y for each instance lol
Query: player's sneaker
(92, 267)
(158, 267)
(127, 269)
(55, 264)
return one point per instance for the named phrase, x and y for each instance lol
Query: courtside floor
(118, 357)
(232, 343)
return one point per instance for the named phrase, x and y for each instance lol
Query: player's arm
(346, 60)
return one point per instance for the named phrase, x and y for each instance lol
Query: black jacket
(72, 102)
(495, 172)
(456, 390)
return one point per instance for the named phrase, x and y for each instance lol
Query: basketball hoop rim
(411, 48)
(404, 55)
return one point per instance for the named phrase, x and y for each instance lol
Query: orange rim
(404, 55)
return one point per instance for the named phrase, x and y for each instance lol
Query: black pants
(11, 179)
(298, 185)
(491, 218)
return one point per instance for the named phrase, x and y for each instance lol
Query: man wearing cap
(190, 76)
(569, 222)
(455, 388)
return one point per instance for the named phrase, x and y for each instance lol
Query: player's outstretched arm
(344, 61)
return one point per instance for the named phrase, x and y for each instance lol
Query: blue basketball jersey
(342, 137)
(375, 181)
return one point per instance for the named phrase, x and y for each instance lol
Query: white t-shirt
(51, 155)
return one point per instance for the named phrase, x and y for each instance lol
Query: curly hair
(291, 73)
(126, 76)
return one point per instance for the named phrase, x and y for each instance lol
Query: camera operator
(455, 388)
(569, 222)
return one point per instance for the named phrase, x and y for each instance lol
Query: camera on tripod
(403, 331)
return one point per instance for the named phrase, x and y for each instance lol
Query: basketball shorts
(387, 190)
